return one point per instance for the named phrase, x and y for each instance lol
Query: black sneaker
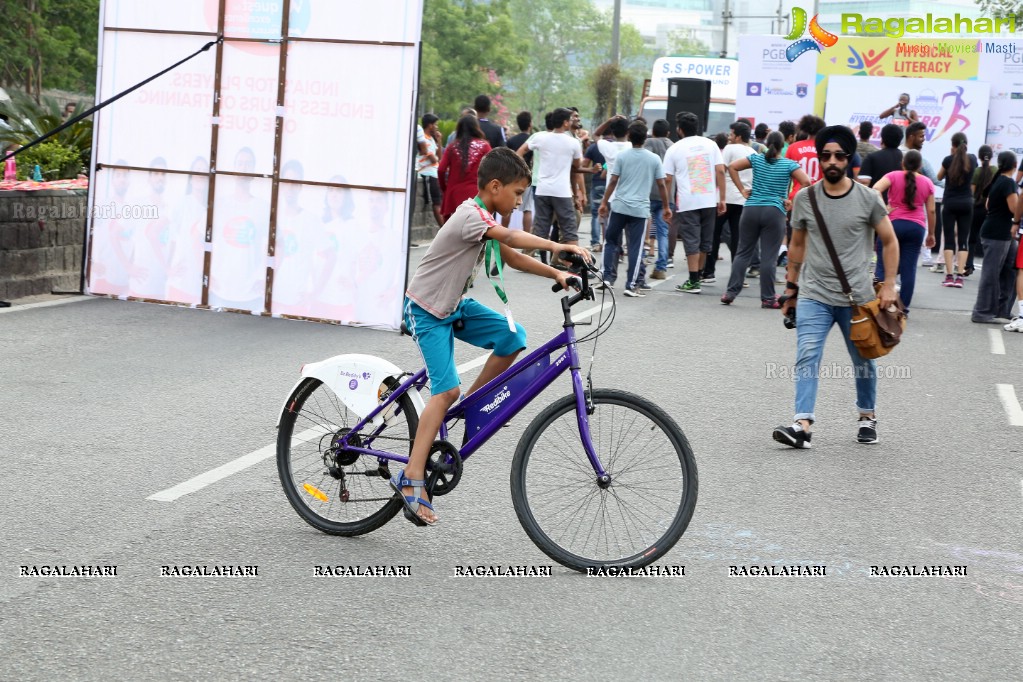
(644, 287)
(867, 431)
(793, 436)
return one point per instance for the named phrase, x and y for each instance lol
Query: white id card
(508, 316)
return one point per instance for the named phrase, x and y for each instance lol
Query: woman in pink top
(911, 210)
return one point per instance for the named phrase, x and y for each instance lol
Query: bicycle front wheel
(338, 492)
(580, 522)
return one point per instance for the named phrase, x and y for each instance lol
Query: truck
(723, 75)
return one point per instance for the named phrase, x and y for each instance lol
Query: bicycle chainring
(444, 465)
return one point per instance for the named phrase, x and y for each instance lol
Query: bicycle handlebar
(572, 281)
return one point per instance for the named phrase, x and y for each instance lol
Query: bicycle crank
(444, 465)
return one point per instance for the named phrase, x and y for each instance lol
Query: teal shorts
(484, 328)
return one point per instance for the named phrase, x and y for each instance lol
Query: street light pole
(726, 18)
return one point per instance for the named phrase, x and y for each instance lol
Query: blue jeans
(634, 229)
(911, 239)
(813, 322)
(661, 231)
(596, 224)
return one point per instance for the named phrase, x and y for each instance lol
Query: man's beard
(833, 175)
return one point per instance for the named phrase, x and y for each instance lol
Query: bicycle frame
(501, 399)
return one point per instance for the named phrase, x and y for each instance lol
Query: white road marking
(997, 345)
(659, 282)
(48, 304)
(1008, 395)
(257, 456)
(225, 470)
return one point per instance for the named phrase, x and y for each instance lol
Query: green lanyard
(493, 254)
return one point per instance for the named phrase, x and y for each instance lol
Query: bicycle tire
(570, 474)
(315, 512)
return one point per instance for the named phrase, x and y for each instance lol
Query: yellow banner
(953, 59)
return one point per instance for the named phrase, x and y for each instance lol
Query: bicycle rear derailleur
(444, 468)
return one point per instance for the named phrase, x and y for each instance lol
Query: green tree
(464, 43)
(570, 48)
(681, 43)
(49, 44)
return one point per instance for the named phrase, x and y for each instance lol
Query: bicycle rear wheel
(337, 492)
(629, 523)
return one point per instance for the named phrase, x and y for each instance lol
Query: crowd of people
(847, 220)
(737, 188)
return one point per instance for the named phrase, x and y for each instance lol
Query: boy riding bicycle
(436, 312)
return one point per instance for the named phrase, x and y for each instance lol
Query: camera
(790, 317)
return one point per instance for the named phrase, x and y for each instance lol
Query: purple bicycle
(600, 478)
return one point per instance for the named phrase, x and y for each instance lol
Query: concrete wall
(41, 240)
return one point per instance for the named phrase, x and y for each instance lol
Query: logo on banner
(802, 89)
(240, 233)
(819, 38)
(753, 89)
(261, 20)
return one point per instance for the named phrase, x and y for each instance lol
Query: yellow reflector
(315, 492)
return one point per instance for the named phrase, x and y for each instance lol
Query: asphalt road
(107, 403)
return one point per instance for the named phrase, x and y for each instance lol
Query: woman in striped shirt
(763, 218)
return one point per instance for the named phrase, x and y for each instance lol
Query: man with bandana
(853, 214)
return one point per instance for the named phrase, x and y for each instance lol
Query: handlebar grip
(572, 280)
(573, 258)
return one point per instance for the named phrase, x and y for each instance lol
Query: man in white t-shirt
(696, 165)
(609, 149)
(559, 157)
(738, 147)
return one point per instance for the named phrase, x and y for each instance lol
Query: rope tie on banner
(85, 114)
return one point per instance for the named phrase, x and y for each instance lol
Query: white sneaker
(938, 267)
(1015, 326)
(927, 261)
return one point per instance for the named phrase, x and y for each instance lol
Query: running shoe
(708, 280)
(948, 281)
(644, 287)
(726, 299)
(1015, 326)
(671, 262)
(634, 293)
(958, 283)
(753, 273)
(689, 287)
(770, 303)
(793, 436)
(867, 432)
(938, 268)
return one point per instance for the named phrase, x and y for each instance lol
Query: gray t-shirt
(850, 219)
(658, 145)
(636, 169)
(452, 261)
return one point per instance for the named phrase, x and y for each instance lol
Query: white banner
(723, 75)
(945, 106)
(1005, 118)
(336, 253)
(771, 88)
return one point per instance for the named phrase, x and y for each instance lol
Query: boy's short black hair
(524, 120)
(740, 130)
(787, 128)
(761, 130)
(688, 123)
(891, 136)
(482, 104)
(660, 128)
(429, 119)
(637, 133)
(548, 120)
(811, 125)
(915, 127)
(619, 128)
(504, 165)
(559, 117)
(866, 130)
